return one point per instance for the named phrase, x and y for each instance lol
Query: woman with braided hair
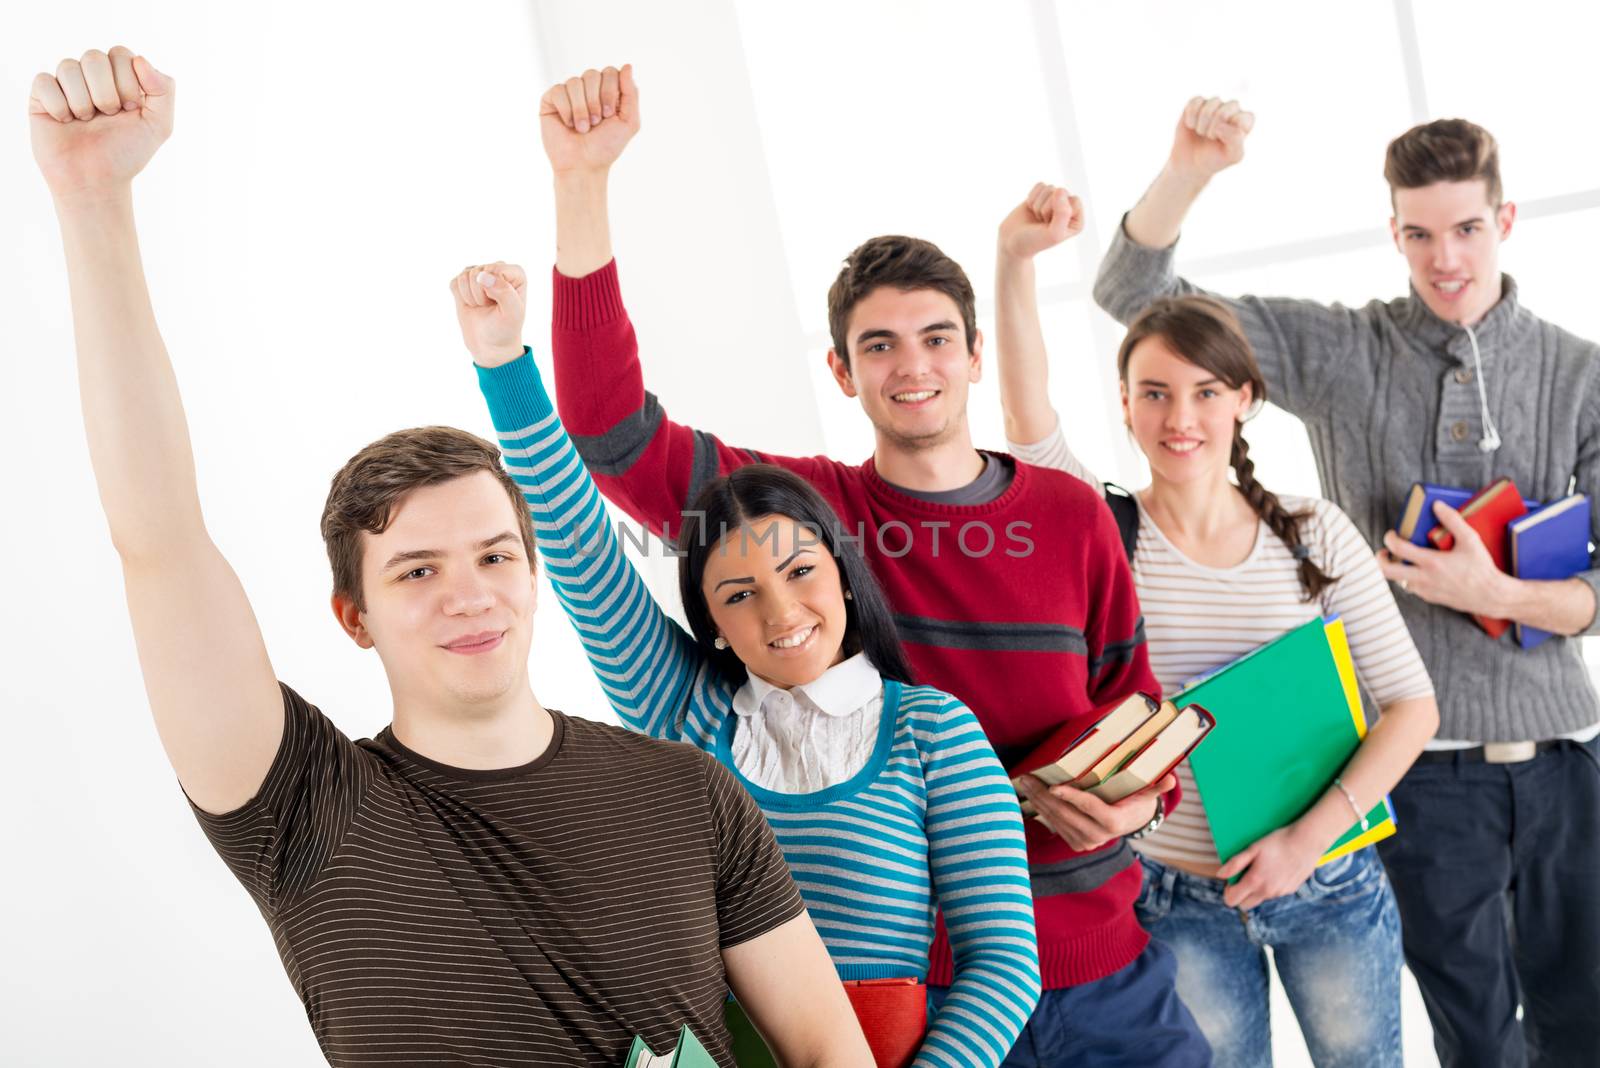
(1222, 566)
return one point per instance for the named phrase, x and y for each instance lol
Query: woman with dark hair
(1221, 568)
(747, 496)
(887, 799)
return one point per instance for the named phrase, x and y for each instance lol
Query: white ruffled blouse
(810, 737)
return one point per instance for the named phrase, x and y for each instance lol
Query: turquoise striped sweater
(930, 823)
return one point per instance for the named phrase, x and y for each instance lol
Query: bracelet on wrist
(1155, 821)
(1350, 797)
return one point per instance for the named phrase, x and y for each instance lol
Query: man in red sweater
(1009, 582)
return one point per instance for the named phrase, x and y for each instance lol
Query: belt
(1492, 753)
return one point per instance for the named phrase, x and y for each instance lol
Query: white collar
(840, 691)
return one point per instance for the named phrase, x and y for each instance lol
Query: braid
(1282, 522)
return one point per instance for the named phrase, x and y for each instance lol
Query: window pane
(1325, 107)
(846, 431)
(1545, 257)
(1520, 77)
(925, 118)
(1083, 388)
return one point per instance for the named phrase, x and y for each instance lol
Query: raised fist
(586, 122)
(1210, 136)
(491, 301)
(1048, 217)
(97, 121)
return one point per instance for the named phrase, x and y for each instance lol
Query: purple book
(1549, 543)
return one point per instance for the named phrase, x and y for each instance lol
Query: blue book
(1417, 518)
(1549, 543)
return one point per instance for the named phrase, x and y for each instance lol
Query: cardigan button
(1459, 430)
(1464, 375)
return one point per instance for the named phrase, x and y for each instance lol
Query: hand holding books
(1461, 559)
(1084, 821)
(1092, 785)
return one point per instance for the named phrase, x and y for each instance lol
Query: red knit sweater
(1024, 607)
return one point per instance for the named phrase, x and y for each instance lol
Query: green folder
(744, 1041)
(1288, 720)
(689, 1053)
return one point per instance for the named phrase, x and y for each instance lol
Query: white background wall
(334, 163)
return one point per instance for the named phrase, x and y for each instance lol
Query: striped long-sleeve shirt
(1198, 618)
(931, 821)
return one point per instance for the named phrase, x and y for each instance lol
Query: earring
(720, 642)
(849, 596)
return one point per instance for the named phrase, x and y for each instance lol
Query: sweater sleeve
(1053, 451)
(1586, 480)
(1302, 346)
(979, 866)
(649, 466)
(645, 662)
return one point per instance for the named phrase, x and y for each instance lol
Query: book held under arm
(1549, 543)
(1290, 719)
(688, 1053)
(893, 1013)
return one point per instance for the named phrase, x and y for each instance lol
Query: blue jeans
(1497, 871)
(1336, 944)
(1130, 1019)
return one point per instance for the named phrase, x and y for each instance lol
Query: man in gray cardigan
(1497, 863)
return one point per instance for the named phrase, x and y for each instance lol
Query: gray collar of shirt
(994, 480)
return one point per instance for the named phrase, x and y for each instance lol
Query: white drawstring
(1491, 436)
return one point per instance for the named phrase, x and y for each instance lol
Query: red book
(1155, 759)
(1072, 751)
(1487, 512)
(894, 1016)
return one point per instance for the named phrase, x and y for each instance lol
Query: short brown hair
(1445, 150)
(906, 263)
(367, 488)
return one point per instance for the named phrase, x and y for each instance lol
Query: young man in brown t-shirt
(487, 881)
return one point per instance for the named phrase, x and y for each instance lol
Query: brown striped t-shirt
(542, 914)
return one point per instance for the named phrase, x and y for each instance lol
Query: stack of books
(1131, 744)
(1524, 538)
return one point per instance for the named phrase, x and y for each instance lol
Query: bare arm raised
(95, 124)
(1210, 138)
(585, 122)
(1049, 216)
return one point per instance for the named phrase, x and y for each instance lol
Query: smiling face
(774, 593)
(1181, 414)
(910, 365)
(1450, 235)
(448, 595)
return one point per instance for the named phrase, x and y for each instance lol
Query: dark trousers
(1130, 1019)
(1496, 868)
